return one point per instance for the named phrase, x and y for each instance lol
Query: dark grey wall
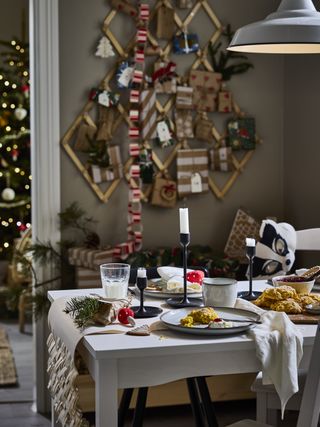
(302, 145)
(11, 18)
(260, 92)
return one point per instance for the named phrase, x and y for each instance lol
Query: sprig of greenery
(82, 310)
(223, 61)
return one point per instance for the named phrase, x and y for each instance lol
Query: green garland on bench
(218, 265)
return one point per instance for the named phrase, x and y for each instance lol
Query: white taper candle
(184, 220)
(250, 242)
(142, 272)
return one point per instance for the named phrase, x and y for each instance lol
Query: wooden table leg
(106, 393)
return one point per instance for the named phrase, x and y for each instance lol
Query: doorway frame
(45, 157)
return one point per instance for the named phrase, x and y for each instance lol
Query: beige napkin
(279, 347)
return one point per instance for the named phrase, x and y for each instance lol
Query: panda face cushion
(275, 251)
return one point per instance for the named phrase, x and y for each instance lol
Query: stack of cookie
(285, 298)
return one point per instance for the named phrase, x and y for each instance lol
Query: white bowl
(300, 287)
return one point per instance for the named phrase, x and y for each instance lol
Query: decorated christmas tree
(15, 177)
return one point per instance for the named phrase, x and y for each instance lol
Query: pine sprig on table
(83, 310)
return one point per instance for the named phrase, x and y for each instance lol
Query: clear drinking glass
(115, 279)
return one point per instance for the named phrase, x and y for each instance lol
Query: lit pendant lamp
(293, 28)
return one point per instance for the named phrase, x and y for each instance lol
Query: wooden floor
(16, 402)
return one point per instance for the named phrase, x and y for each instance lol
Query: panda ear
(262, 227)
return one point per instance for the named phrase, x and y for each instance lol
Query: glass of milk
(115, 279)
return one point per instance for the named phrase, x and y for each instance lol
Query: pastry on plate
(202, 315)
(289, 306)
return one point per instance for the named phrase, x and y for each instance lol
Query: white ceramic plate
(166, 294)
(172, 320)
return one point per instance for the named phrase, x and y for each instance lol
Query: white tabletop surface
(166, 342)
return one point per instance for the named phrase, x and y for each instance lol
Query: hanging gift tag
(163, 131)
(196, 183)
(125, 75)
(103, 99)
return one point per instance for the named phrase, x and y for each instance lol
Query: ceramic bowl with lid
(219, 291)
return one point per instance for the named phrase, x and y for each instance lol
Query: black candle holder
(177, 302)
(143, 311)
(250, 295)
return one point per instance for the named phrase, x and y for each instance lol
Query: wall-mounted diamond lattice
(200, 61)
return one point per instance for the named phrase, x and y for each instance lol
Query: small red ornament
(125, 316)
(195, 276)
(25, 89)
(22, 227)
(93, 94)
(15, 154)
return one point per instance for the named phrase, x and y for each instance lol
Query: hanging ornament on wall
(20, 113)
(8, 194)
(104, 49)
(25, 89)
(15, 154)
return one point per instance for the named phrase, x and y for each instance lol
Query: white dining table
(123, 361)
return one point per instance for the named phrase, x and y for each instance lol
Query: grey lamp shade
(293, 28)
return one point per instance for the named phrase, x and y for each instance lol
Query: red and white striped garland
(134, 228)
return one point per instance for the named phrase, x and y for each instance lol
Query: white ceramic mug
(219, 292)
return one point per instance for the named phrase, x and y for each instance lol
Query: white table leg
(106, 384)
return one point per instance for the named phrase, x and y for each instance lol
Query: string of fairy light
(14, 135)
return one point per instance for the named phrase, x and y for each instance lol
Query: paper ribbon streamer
(134, 150)
(144, 12)
(142, 36)
(134, 96)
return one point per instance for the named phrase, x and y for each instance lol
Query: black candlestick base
(145, 311)
(249, 296)
(178, 302)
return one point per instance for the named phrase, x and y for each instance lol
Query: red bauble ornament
(195, 276)
(22, 227)
(15, 153)
(25, 89)
(93, 94)
(125, 316)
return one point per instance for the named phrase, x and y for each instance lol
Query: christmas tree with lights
(15, 175)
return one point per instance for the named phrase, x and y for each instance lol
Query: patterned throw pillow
(244, 225)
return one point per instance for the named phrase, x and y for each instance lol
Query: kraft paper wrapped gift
(114, 171)
(148, 114)
(206, 84)
(87, 278)
(184, 43)
(192, 165)
(100, 174)
(184, 97)
(203, 128)
(106, 118)
(164, 193)
(205, 79)
(165, 23)
(85, 137)
(225, 101)
(221, 159)
(184, 124)
(242, 133)
(89, 258)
